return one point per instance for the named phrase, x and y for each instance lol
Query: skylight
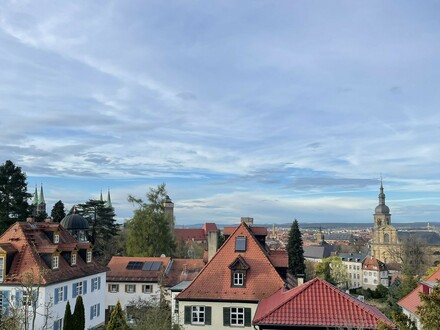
(240, 243)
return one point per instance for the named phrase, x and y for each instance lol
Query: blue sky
(270, 109)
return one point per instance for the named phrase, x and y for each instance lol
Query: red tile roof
(214, 280)
(317, 304)
(279, 258)
(119, 272)
(258, 231)
(182, 270)
(412, 299)
(209, 226)
(371, 263)
(29, 243)
(190, 234)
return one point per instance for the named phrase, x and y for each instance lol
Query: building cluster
(243, 283)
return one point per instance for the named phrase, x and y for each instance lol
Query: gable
(214, 280)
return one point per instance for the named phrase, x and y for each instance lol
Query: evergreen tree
(67, 321)
(13, 195)
(79, 317)
(117, 319)
(429, 309)
(102, 223)
(58, 212)
(149, 232)
(295, 250)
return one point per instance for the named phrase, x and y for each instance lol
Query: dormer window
(239, 269)
(55, 262)
(73, 259)
(56, 238)
(89, 256)
(240, 244)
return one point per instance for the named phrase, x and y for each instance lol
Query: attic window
(240, 243)
(73, 261)
(56, 238)
(55, 260)
(89, 257)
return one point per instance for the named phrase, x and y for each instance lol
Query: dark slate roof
(74, 222)
(338, 237)
(318, 251)
(352, 256)
(429, 237)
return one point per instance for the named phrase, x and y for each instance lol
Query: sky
(276, 110)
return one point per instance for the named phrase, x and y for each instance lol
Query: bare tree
(412, 254)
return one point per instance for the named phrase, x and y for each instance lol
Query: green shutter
(208, 315)
(247, 317)
(187, 314)
(226, 316)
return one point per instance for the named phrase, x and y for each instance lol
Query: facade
(353, 264)
(316, 305)
(227, 290)
(410, 302)
(374, 273)
(146, 278)
(42, 267)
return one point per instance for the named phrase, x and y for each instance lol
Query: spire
(35, 199)
(109, 201)
(41, 198)
(100, 197)
(381, 194)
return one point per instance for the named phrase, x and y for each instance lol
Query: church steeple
(382, 214)
(108, 203)
(41, 198)
(35, 199)
(381, 194)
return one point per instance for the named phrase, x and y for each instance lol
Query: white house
(353, 264)
(374, 272)
(43, 266)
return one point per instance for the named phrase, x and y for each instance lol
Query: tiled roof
(317, 304)
(412, 299)
(318, 251)
(119, 272)
(214, 280)
(338, 237)
(279, 258)
(371, 263)
(190, 234)
(359, 257)
(257, 231)
(183, 270)
(209, 226)
(29, 243)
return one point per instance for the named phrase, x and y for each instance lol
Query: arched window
(386, 238)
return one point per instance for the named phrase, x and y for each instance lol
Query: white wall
(217, 314)
(56, 311)
(125, 297)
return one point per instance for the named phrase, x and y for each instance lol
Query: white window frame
(238, 279)
(95, 283)
(55, 262)
(128, 286)
(56, 238)
(114, 288)
(73, 259)
(198, 314)
(2, 268)
(94, 311)
(89, 257)
(79, 288)
(236, 316)
(61, 293)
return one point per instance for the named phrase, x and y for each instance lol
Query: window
(113, 288)
(59, 294)
(73, 263)
(238, 279)
(375, 281)
(89, 257)
(349, 267)
(79, 288)
(94, 311)
(237, 316)
(96, 283)
(58, 324)
(56, 238)
(240, 243)
(357, 276)
(55, 260)
(147, 288)
(365, 280)
(25, 299)
(130, 288)
(198, 315)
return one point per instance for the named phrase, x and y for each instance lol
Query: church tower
(382, 214)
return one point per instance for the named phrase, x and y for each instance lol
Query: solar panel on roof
(152, 265)
(156, 265)
(134, 265)
(147, 265)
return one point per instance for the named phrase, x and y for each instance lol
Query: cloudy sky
(270, 109)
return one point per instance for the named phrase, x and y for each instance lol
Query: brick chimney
(247, 220)
(212, 244)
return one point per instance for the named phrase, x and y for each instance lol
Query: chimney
(48, 220)
(212, 244)
(30, 219)
(247, 220)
